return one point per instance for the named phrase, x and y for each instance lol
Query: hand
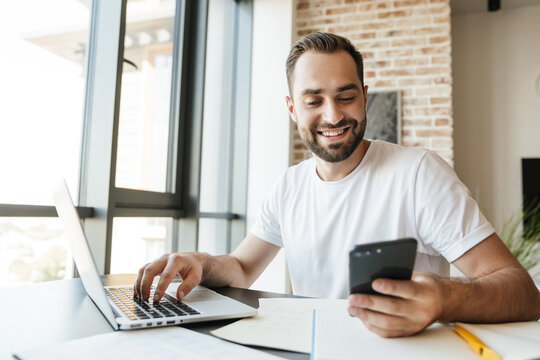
(415, 304)
(167, 267)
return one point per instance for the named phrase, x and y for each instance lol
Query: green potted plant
(521, 234)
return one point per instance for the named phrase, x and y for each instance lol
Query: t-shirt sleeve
(266, 226)
(447, 217)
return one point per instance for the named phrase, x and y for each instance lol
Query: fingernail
(181, 295)
(377, 285)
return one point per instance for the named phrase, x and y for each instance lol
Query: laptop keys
(180, 305)
(138, 309)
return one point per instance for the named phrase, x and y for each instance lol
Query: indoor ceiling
(468, 6)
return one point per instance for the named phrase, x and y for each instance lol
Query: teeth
(333, 133)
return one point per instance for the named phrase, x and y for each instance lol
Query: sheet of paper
(161, 343)
(280, 323)
(339, 336)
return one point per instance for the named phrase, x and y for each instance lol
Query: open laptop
(116, 303)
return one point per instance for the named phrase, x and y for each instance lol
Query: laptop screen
(81, 250)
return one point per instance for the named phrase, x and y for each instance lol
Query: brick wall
(406, 46)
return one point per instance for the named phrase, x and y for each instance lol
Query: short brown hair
(323, 43)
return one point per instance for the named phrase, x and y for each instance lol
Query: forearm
(240, 268)
(507, 294)
(223, 270)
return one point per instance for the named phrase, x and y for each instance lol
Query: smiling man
(357, 191)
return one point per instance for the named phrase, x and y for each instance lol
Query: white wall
(269, 126)
(496, 64)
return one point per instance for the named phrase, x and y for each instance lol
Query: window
(137, 241)
(151, 78)
(146, 96)
(42, 67)
(215, 149)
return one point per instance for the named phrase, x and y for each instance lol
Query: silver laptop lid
(81, 251)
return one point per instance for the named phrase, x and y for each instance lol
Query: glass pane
(136, 241)
(217, 124)
(213, 234)
(33, 250)
(42, 72)
(145, 96)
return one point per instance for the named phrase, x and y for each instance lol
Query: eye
(313, 102)
(346, 99)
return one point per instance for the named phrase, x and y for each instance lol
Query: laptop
(117, 304)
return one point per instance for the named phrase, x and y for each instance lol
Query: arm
(497, 289)
(240, 268)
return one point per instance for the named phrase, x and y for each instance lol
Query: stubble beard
(338, 151)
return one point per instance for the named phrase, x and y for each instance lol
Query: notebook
(336, 335)
(116, 303)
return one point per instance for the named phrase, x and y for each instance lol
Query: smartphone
(386, 259)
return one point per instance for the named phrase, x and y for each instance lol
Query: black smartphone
(386, 259)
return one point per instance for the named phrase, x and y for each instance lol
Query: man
(357, 191)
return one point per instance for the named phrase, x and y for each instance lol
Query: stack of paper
(161, 343)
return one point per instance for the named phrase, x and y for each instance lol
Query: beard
(338, 151)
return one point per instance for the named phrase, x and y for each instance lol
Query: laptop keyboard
(135, 309)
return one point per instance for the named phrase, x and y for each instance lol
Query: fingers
(176, 264)
(138, 281)
(382, 324)
(386, 325)
(413, 305)
(146, 275)
(405, 289)
(149, 273)
(167, 267)
(388, 333)
(381, 304)
(165, 279)
(191, 279)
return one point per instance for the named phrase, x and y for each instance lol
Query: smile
(333, 132)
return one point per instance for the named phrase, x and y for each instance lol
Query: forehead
(324, 71)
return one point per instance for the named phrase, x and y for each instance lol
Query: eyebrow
(339, 90)
(348, 87)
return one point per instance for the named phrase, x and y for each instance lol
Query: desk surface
(44, 313)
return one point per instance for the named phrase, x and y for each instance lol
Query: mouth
(334, 134)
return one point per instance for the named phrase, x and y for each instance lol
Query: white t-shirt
(395, 192)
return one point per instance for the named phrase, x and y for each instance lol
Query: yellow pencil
(478, 346)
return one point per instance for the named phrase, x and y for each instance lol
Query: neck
(329, 171)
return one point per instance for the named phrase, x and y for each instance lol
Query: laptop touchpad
(202, 295)
(199, 293)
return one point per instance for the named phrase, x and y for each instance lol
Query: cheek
(354, 111)
(361, 109)
(306, 118)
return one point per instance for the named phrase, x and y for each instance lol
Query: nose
(332, 113)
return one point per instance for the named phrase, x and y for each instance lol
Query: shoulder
(299, 172)
(385, 154)
(294, 176)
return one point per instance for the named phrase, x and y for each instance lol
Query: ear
(290, 107)
(365, 97)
